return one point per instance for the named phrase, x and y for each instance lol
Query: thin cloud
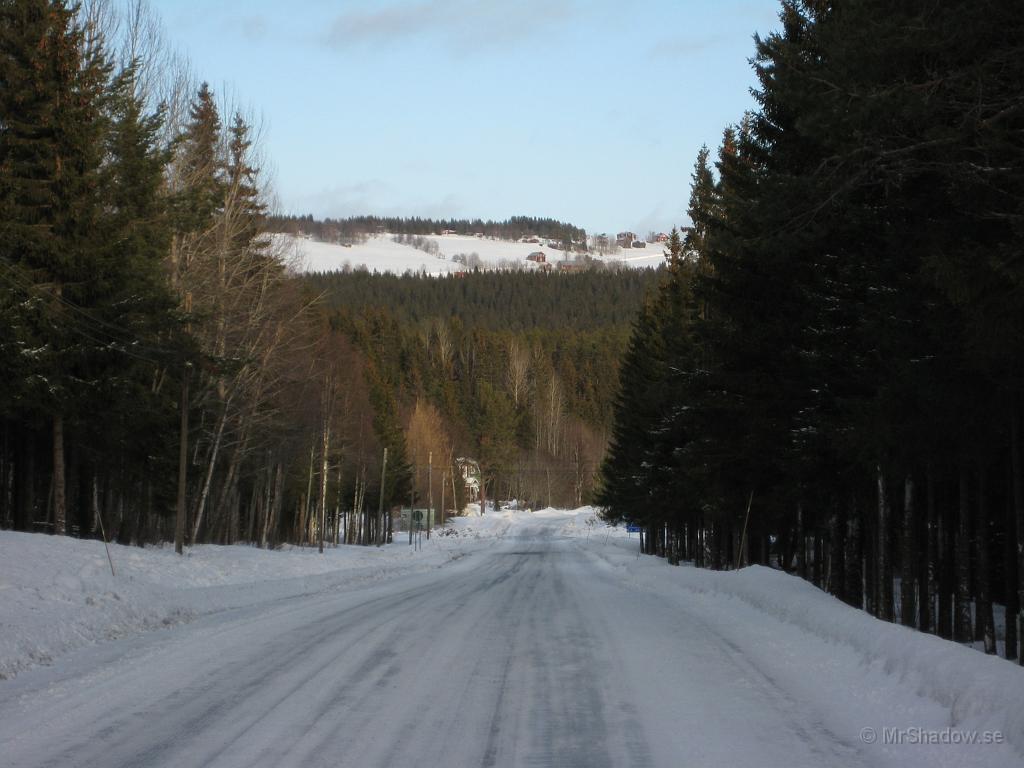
(377, 197)
(253, 27)
(460, 24)
(345, 199)
(683, 48)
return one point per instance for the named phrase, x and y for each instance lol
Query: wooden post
(443, 476)
(430, 491)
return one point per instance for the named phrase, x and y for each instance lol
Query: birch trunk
(324, 448)
(214, 450)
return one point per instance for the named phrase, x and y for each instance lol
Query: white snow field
(382, 254)
(518, 639)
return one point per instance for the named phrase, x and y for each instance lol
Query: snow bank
(970, 691)
(57, 593)
(981, 692)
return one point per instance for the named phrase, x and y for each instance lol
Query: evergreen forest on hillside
(516, 370)
(494, 300)
(831, 378)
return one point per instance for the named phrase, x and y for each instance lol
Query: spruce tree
(54, 77)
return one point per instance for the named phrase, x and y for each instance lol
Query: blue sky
(586, 111)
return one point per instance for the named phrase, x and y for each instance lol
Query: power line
(111, 342)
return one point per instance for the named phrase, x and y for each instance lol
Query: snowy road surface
(532, 651)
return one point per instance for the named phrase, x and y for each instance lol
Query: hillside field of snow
(380, 253)
(516, 638)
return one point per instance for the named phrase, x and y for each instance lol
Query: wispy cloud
(659, 219)
(374, 196)
(683, 47)
(253, 27)
(462, 25)
(345, 199)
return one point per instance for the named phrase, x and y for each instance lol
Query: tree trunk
(837, 555)
(303, 517)
(224, 509)
(885, 595)
(354, 536)
(325, 444)
(180, 509)
(252, 509)
(962, 602)
(854, 558)
(820, 560)
(984, 618)
(868, 547)
(274, 510)
(483, 493)
(379, 538)
(338, 516)
(908, 565)
(24, 483)
(1018, 505)
(1010, 582)
(214, 450)
(946, 564)
(59, 487)
(801, 542)
(930, 572)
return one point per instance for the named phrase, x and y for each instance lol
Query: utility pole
(380, 505)
(455, 496)
(179, 522)
(443, 477)
(430, 491)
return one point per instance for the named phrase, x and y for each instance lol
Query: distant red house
(661, 237)
(538, 257)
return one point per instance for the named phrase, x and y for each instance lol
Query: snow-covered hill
(380, 253)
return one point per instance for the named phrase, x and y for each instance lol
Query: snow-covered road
(531, 651)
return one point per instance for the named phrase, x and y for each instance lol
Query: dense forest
(494, 300)
(356, 227)
(161, 370)
(166, 377)
(830, 377)
(516, 370)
